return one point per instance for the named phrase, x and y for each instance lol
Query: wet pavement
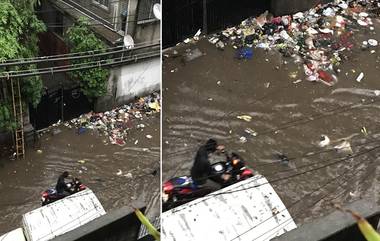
(118, 175)
(204, 96)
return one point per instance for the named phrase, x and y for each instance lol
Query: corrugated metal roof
(61, 216)
(255, 212)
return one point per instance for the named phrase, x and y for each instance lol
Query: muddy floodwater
(203, 97)
(103, 167)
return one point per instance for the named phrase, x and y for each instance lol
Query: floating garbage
(250, 132)
(344, 147)
(244, 53)
(364, 131)
(116, 123)
(244, 117)
(360, 77)
(128, 175)
(372, 42)
(319, 38)
(192, 54)
(243, 139)
(324, 141)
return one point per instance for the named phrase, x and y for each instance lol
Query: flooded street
(91, 158)
(203, 97)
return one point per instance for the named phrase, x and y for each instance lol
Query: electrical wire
(82, 5)
(328, 194)
(97, 62)
(104, 18)
(374, 141)
(315, 152)
(89, 53)
(305, 120)
(52, 25)
(7, 75)
(339, 160)
(299, 200)
(100, 54)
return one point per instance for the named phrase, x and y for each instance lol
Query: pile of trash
(319, 39)
(115, 123)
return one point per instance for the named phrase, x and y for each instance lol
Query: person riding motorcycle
(201, 169)
(61, 187)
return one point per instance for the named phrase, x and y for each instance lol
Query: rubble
(116, 123)
(319, 39)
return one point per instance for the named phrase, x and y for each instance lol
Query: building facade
(113, 21)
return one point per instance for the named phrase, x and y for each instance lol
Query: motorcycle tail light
(45, 194)
(82, 187)
(168, 187)
(247, 172)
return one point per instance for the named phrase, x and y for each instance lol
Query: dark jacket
(61, 186)
(201, 169)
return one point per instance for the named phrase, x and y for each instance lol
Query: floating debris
(319, 38)
(324, 141)
(244, 117)
(116, 123)
(360, 77)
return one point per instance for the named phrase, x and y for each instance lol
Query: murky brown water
(22, 181)
(203, 97)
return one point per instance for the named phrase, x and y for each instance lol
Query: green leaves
(93, 82)
(19, 27)
(6, 120)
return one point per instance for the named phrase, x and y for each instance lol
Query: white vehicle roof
(14, 235)
(62, 216)
(255, 212)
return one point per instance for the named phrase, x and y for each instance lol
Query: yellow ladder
(17, 113)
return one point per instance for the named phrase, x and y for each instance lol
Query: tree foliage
(19, 28)
(93, 82)
(6, 120)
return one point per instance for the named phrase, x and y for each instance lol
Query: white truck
(247, 210)
(57, 218)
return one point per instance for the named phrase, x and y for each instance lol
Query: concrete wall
(138, 79)
(147, 32)
(118, 225)
(336, 226)
(284, 7)
(142, 32)
(131, 80)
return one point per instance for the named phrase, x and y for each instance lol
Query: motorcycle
(51, 195)
(180, 190)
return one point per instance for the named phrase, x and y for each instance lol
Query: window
(145, 10)
(102, 3)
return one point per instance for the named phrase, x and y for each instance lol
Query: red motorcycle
(51, 194)
(180, 190)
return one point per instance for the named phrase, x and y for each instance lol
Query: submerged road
(204, 97)
(118, 175)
